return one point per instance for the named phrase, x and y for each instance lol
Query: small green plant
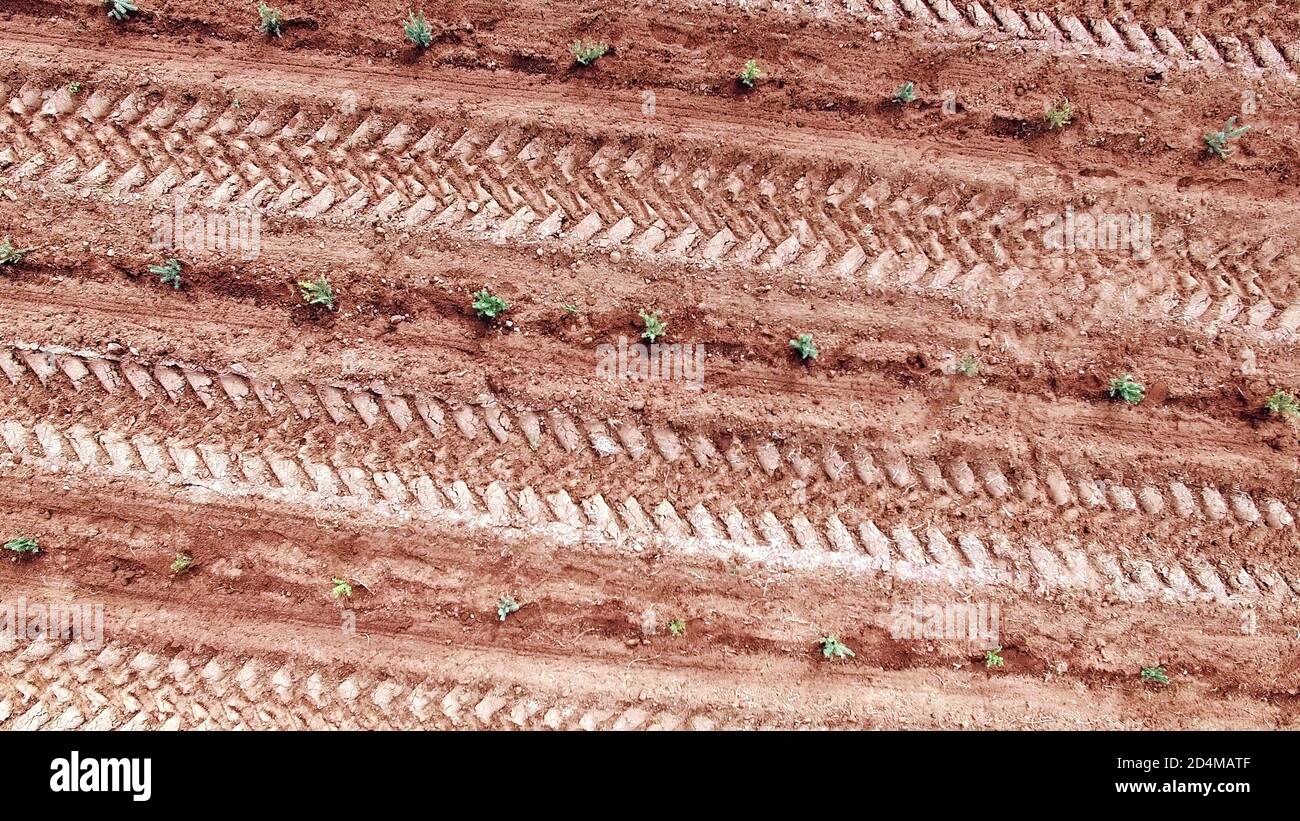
(1216, 142)
(570, 309)
(750, 73)
(1126, 388)
(74, 87)
(120, 9)
(169, 273)
(342, 588)
(905, 93)
(9, 255)
(1059, 115)
(317, 293)
(586, 52)
(677, 627)
(505, 606)
(654, 327)
(417, 29)
(993, 658)
(488, 305)
(181, 563)
(271, 20)
(803, 343)
(23, 545)
(832, 647)
(1282, 404)
(237, 104)
(1156, 675)
(968, 365)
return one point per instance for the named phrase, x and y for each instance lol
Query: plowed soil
(439, 460)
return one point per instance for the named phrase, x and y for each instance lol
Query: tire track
(1126, 41)
(608, 449)
(129, 686)
(925, 554)
(662, 200)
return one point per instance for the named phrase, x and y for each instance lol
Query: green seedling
(1216, 142)
(905, 93)
(119, 10)
(586, 52)
(169, 273)
(654, 328)
(832, 647)
(505, 606)
(1059, 115)
(803, 343)
(417, 29)
(1156, 675)
(271, 20)
(993, 658)
(74, 87)
(10, 255)
(968, 365)
(750, 73)
(1282, 404)
(317, 293)
(1124, 387)
(23, 545)
(342, 588)
(677, 627)
(181, 563)
(488, 305)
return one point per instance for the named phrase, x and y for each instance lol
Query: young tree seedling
(1125, 388)
(968, 365)
(119, 10)
(417, 29)
(23, 545)
(803, 343)
(750, 74)
(169, 273)
(1156, 675)
(342, 588)
(271, 20)
(586, 52)
(317, 293)
(488, 305)
(505, 606)
(10, 255)
(677, 627)
(905, 93)
(1216, 142)
(1059, 115)
(832, 647)
(654, 328)
(993, 658)
(74, 87)
(181, 563)
(1282, 403)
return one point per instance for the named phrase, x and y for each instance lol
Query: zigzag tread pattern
(512, 184)
(1122, 40)
(1044, 483)
(58, 686)
(930, 557)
